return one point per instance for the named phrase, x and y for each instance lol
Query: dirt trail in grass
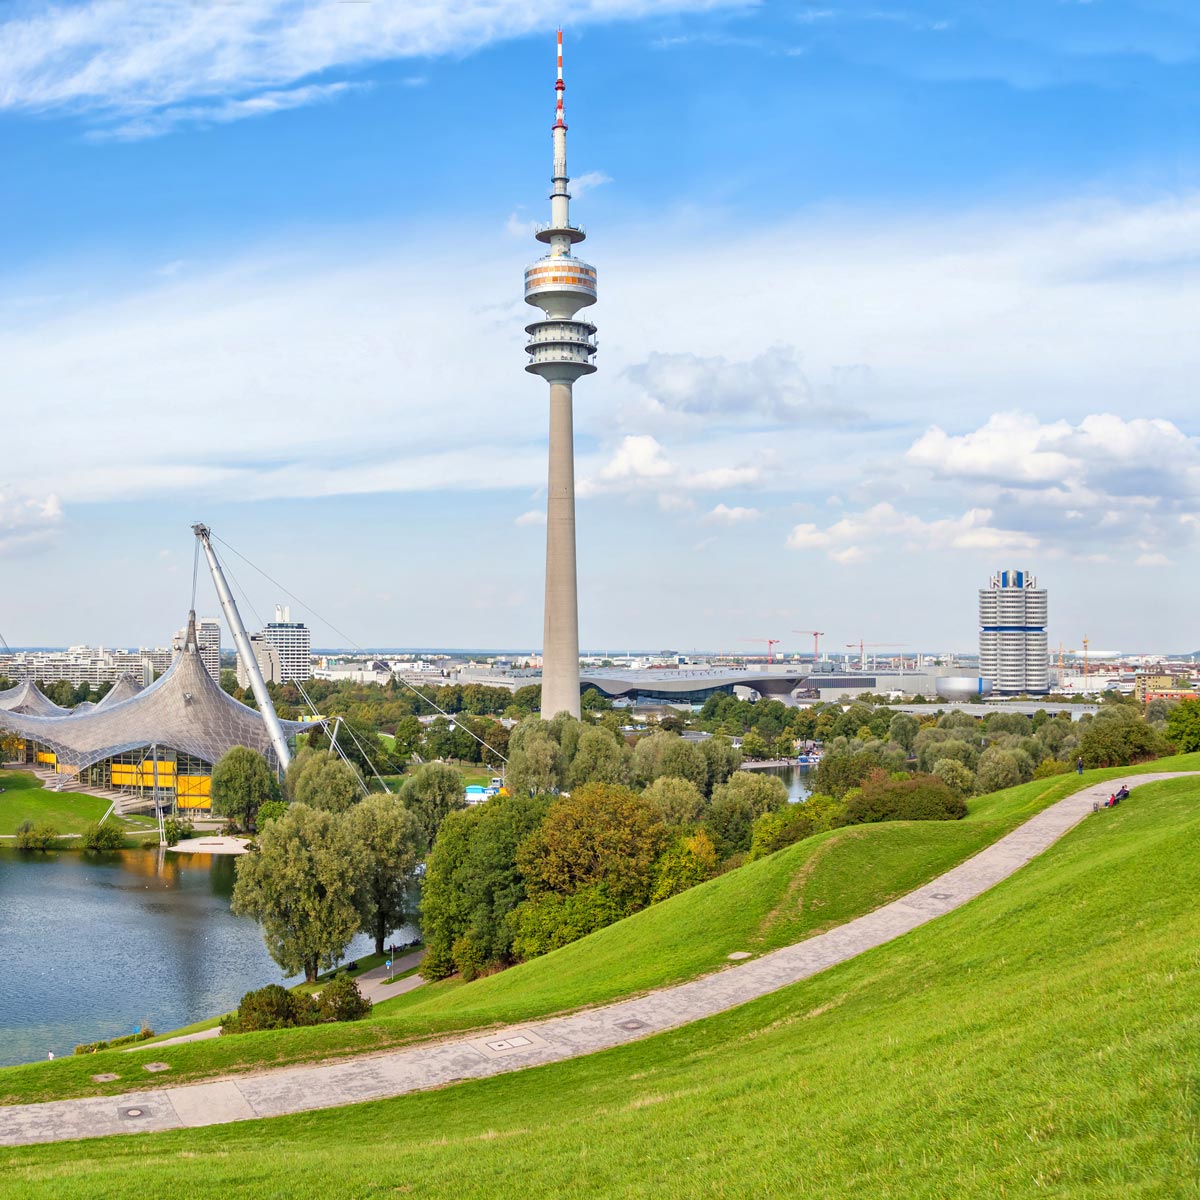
(305, 1088)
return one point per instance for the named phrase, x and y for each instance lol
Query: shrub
(918, 798)
(1049, 767)
(272, 1007)
(176, 828)
(340, 1000)
(690, 861)
(35, 837)
(270, 810)
(113, 1043)
(102, 837)
(960, 779)
(775, 830)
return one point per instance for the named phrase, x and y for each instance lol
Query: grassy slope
(838, 876)
(25, 799)
(1039, 1041)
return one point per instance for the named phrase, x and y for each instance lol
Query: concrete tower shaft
(560, 348)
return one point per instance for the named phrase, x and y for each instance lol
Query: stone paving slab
(553, 1039)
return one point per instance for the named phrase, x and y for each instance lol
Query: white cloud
(535, 516)
(1152, 560)
(130, 55)
(27, 522)
(856, 535)
(640, 464)
(588, 182)
(724, 514)
(163, 121)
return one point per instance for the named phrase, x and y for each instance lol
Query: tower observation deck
(560, 349)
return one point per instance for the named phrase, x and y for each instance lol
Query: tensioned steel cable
(352, 643)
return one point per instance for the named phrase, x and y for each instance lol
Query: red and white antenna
(559, 88)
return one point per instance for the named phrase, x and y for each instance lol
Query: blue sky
(891, 297)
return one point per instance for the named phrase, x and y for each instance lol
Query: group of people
(1120, 794)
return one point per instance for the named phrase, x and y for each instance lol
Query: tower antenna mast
(560, 349)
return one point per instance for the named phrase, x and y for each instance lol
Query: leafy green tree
(594, 700)
(431, 793)
(391, 841)
(324, 781)
(600, 757)
(723, 759)
(786, 826)
(472, 883)
(229, 682)
(998, 769)
(271, 1007)
(271, 810)
(601, 833)
(1120, 739)
(299, 885)
(903, 729)
(763, 791)
(684, 760)
(932, 745)
(534, 764)
(361, 744)
(1049, 767)
(840, 771)
(1183, 726)
(241, 781)
(679, 802)
(729, 822)
(341, 1000)
(958, 778)
(692, 860)
(529, 698)
(754, 747)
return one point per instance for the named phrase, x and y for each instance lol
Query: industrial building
(1013, 646)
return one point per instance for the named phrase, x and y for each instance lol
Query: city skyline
(948, 350)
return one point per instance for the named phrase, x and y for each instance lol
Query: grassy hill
(1039, 1041)
(769, 903)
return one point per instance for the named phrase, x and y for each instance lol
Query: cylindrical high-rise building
(1013, 649)
(560, 350)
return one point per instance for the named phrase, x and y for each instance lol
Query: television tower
(560, 350)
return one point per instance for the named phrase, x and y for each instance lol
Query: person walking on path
(1079, 765)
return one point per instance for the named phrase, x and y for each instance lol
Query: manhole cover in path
(154, 1067)
(632, 1025)
(133, 1114)
(106, 1077)
(739, 954)
(943, 895)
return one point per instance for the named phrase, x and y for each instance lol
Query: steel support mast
(241, 639)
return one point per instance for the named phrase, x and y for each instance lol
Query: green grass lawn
(773, 902)
(25, 799)
(1040, 1041)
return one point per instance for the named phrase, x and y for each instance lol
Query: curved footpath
(416, 1068)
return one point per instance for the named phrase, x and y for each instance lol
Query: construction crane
(816, 635)
(771, 644)
(1085, 656)
(864, 646)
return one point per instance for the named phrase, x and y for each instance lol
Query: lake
(94, 945)
(796, 778)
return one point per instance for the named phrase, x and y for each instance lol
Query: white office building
(1013, 647)
(208, 638)
(293, 642)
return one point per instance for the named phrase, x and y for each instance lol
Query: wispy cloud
(264, 104)
(131, 57)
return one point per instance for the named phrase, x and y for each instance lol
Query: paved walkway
(394, 1073)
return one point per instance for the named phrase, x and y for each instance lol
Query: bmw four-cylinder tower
(561, 346)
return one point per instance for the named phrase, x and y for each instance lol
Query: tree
(1118, 740)
(998, 769)
(472, 883)
(229, 681)
(764, 792)
(959, 779)
(324, 781)
(728, 822)
(683, 760)
(430, 794)
(783, 827)
(838, 772)
(299, 885)
(1183, 726)
(600, 757)
(599, 835)
(534, 764)
(360, 743)
(391, 841)
(903, 729)
(679, 801)
(753, 746)
(594, 700)
(723, 759)
(241, 781)
(690, 861)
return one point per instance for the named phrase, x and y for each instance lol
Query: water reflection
(796, 778)
(91, 946)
